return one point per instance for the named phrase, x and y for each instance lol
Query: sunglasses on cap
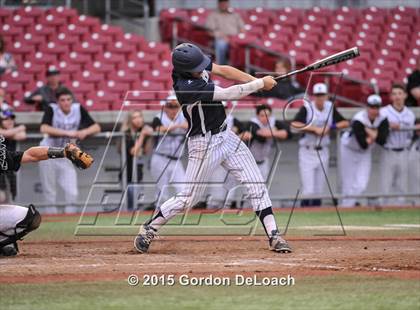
(7, 114)
(172, 106)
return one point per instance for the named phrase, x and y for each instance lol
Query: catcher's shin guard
(30, 222)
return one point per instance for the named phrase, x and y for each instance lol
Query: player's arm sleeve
(47, 117)
(284, 126)
(85, 119)
(156, 123)
(383, 131)
(237, 91)
(359, 132)
(253, 128)
(301, 115)
(337, 117)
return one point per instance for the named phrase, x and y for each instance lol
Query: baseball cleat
(278, 244)
(8, 250)
(144, 238)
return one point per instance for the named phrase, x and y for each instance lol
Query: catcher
(17, 221)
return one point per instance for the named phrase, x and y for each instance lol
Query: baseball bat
(325, 62)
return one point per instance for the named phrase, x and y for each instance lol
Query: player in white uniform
(166, 166)
(62, 122)
(316, 119)
(264, 128)
(210, 144)
(394, 163)
(368, 127)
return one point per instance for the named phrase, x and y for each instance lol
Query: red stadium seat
(134, 40)
(88, 22)
(78, 87)
(125, 77)
(100, 67)
(110, 58)
(19, 48)
(66, 39)
(112, 31)
(10, 30)
(119, 47)
(32, 68)
(77, 58)
(42, 30)
(135, 67)
(52, 21)
(32, 40)
(41, 58)
(30, 11)
(70, 68)
(87, 48)
(97, 38)
(62, 12)
(74, 29)
(89, 77)
(54, 48)
(19, 21)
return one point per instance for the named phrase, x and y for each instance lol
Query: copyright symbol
(133, 280)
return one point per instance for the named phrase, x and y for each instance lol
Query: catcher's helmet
(187, 57)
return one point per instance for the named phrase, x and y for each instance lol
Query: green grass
(332, 292)
(195, 224)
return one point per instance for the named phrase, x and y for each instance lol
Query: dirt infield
(112, 259)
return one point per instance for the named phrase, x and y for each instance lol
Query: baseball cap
(320, 89)
(171, 97)
(52, 70)
(374, 101)
(5, 114)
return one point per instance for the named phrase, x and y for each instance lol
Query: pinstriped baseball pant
(206, 153)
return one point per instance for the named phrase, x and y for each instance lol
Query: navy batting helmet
(187, 57)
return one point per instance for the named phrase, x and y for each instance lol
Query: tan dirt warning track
(114, 259)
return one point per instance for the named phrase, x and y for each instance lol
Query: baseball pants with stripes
(206, 153)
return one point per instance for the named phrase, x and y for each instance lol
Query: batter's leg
(241, 163)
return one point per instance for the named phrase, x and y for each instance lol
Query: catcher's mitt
(79, 158)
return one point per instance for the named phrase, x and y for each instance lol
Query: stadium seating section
(388, 39)
(100, 62)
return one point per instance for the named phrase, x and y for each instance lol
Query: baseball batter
(166, 166)
(210, 144)
(18, 221)
(316, 119)
(394, 164)
(368, 127)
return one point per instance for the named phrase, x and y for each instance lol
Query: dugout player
(210, 143)
(368, 128)
(166, 166)
(394, 164)
(316, 119)
(63, 121)
(17, 221)
(264, 128)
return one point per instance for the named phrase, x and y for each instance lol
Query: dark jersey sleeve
(359, 132)
(156, 123)
(85, 119)
(48, 116)
(337, 117)
(383, 131)
(10, 161)
(301, 115)
(284, 126)
(253, 128)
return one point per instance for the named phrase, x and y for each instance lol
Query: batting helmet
(187, 57)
